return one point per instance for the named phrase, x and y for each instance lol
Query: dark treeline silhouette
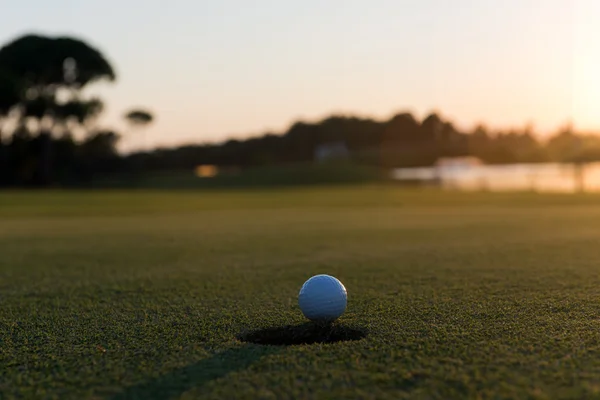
(49, 132)
(401, 141)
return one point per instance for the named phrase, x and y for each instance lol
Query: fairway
(161, 295)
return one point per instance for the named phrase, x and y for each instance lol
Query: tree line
(49, 131)
(401, 141)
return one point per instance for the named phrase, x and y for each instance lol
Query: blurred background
(473, 95)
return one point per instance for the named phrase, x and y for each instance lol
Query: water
(551, 177)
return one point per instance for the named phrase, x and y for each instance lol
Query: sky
(220, 69)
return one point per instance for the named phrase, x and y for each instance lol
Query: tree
(139, 118)
(432, 127)
(564, 146)
(48, 64)
(11, 92)
(401, 129)
(52, 73)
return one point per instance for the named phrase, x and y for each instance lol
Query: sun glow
(586, 65)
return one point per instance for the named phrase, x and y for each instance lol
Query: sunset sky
(211, 70)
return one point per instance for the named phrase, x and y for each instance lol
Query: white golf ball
(322, 298)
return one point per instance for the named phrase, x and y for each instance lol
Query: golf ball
(322, 298)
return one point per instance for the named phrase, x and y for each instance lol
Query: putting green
(166, 295)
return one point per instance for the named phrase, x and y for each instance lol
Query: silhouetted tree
(139, 118)
(48, 68)
(564, 145)
(432, 127)
(11, 92)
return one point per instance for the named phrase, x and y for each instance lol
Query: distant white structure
(443, 172)
(333, 150)
(425, 174)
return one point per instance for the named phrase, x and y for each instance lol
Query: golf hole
(308, 333)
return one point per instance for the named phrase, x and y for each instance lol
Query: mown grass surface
(123, 295)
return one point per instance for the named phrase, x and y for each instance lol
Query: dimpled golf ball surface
(322, 298)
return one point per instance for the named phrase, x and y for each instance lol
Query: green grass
(122, 295)
(294, 175)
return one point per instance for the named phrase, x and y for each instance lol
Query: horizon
(461, 128)
(504, 65)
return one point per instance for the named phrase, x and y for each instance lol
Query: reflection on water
(538, 177)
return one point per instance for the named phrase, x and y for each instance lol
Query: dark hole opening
(308, 333)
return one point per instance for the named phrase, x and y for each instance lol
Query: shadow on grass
(179, 381)
(308, 333)
(173, 384)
